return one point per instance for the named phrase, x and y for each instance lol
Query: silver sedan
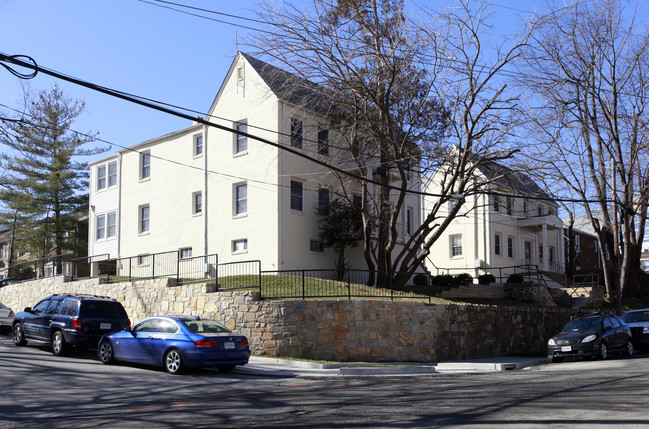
(6, 318)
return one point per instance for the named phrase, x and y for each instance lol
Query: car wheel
(629, 348)
(106, 353)
(58, 344)
(173, 362)
(557, 359)
(603, 351)
(225, 368)
(19, 335)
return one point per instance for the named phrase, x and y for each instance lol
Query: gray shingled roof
(289, 87)
(517, 180)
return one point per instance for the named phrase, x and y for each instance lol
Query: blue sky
(139, 48)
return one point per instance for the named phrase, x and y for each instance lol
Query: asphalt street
(40, 390)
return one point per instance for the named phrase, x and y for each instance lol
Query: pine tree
(44, 184)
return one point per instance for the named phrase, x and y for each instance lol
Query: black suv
(66, 320)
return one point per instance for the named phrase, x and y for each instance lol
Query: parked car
(6, 317)
(67, 320)
(591, 336)
(176, 343)
(638, 321)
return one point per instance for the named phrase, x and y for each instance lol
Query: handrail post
(303, 287)
(259, 271)
(153, 265)
(349, 285)
(130, 267)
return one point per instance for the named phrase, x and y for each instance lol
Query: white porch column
(544, 239)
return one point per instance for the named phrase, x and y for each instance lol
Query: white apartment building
(203, 190)
(499, 231)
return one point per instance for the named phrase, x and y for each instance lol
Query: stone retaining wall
(357, 330)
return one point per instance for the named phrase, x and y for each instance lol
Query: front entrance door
(527, 247)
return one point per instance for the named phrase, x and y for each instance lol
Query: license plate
(105, 326)
(566, 348)
(229, 345)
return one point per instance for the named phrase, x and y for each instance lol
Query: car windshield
(205, 326)
(636, 316)
(102, 310)
(582, 325)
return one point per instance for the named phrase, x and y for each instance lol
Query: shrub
(464, 279)
(486, 279)
(444, 280)
(515, 278)
(420, 279)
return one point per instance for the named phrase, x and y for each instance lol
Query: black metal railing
(239, 275)
(155, 265)
(347, 284)
(51, 266)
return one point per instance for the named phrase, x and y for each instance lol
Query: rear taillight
(129, 323)
(76, 324)
(206, 343)
(11, 313)
(244, 342)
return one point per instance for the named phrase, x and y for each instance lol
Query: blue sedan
(176, 343)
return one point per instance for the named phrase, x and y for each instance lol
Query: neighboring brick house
(203, 190)
(582, 248)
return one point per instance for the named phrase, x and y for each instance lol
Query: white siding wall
(103, 202)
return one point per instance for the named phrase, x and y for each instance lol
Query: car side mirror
(127, 329)
(28, 310)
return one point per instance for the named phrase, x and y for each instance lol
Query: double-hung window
(101, 227)
(107, 175)
(186, 253)
(510, 247)
(145, 165)
(498, 244)
(297, 195)
(198, 145)
(456, 245)
(106, 226)
(144, 218)
(101, 177)
(323, 141)
(197, 202)
(240, 199)
(409, 212)
(296, 133)
(241, 142)
(323, 201)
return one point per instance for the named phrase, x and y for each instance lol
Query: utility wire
(28, 62)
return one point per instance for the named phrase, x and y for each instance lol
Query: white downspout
(205, 195)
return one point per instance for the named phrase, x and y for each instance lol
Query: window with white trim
(316, 246)
(198, 145)
(143, 260)
(296, 133)
(323, 201)
(240, 246)
(456, 245)
(577, 243)
(496, 203)
(241, 142)
(144, 218)
(197, 203)
(145, 165)
(323, 141)
(498, 240)
(185, 253)
(409, 220)
(510, 247)
(100, 233)
(240, 199)
(106, 226)
(297, 191)
(107, 175)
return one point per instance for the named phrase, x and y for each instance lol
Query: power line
(165, 108)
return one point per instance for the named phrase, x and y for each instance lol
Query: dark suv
(66, 320)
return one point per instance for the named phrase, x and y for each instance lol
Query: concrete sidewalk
(289, 368)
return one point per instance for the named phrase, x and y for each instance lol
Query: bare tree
(399, 95)
(587, 68)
